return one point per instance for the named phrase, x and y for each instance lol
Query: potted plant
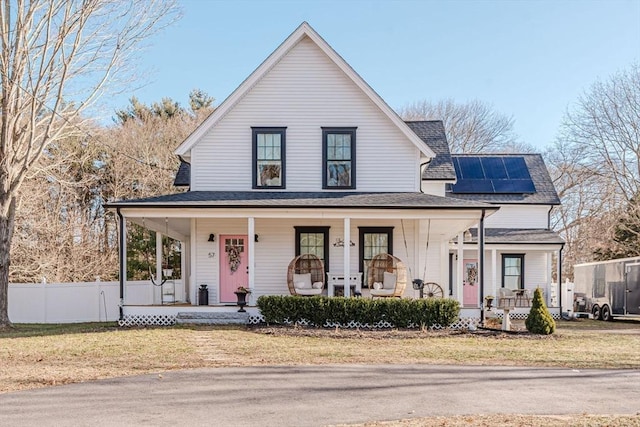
(241, 295)
(489, 301)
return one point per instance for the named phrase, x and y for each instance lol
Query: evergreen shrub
(539, 320)
(323, 311)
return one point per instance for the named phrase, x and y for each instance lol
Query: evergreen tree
(539, 320)
(626, 235)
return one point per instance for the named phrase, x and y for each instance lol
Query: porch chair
(506, 298)
(305, 275)
(386, 276)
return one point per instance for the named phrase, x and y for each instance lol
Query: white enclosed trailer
(607, 289)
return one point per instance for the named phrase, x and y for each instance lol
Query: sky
(530, 60)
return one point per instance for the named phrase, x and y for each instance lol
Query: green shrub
(539, 320)
(323, 311)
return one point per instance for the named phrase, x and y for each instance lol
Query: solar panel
(516, 168)
(456, 166)
(493, 167)
(506, 186)
(492, 175)
(472, 186)
(471, 168)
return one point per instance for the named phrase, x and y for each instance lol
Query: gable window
(268, 157)
(339, 158)
(373, 241)
(315, 241)
(513, 271)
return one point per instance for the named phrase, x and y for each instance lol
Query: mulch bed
(341, 333)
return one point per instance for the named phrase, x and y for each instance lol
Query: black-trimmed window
(373, 241)
(338, 158)
(315, 241)
(513, 271)
(268, 157)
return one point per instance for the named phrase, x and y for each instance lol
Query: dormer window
(339, 158)
(268, 157)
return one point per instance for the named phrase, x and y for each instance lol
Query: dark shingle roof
(545, 191)
(432, 133)
(183, 176)
(287, 199)
(517, 235)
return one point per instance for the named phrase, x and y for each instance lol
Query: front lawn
(41, 355)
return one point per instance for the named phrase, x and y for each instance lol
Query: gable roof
(304, 30)
(432, 133)
(545, 192)
(183, 176)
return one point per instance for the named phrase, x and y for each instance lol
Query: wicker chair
(302, 265)
(385, 263)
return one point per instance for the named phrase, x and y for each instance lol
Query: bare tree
(473, 127)
(57, 58)
(596, 170)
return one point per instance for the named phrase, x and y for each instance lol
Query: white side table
(337, 280)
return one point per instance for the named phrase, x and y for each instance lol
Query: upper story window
(268, 157)
(339, 158)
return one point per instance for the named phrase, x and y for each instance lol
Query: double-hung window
(338, 158)
(373, 241)
(268, 157)
(314, 241)
(513, 271)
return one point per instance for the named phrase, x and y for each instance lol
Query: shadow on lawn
(20, 330)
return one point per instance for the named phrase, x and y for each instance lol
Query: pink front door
(233, 266)
(470, 285)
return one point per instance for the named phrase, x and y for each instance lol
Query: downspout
(121, 257)
(481, 260)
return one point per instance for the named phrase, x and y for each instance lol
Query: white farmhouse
(305, 157)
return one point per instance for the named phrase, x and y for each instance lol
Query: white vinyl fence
(72, 302)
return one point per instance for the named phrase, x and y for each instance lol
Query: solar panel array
(492, 175)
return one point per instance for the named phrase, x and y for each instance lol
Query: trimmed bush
(539, 320)
(321, 311)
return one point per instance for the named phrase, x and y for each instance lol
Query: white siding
(304, 92)
(535, 269)
(521, 216)
(437, 188)
(276, 248)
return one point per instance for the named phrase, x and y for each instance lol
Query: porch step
(223, 318)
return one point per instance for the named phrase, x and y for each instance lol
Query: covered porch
(225, 247)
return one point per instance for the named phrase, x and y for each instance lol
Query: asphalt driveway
(321, 395)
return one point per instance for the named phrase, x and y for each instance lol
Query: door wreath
(233, 252)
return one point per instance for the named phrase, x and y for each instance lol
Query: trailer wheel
(597, 314)
(606, 313)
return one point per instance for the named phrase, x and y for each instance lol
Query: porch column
(481, 280)
(251, 230)
(157, 290)
(347, 256)
(123, 260)
(444, 264)
(494, 275)
(193, 238)
(184, 251)
(548, 266)
(459, 269)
